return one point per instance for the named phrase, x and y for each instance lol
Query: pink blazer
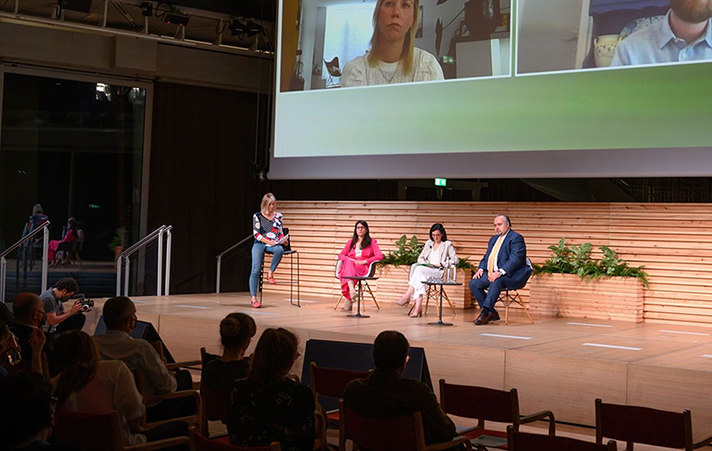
(371, 254)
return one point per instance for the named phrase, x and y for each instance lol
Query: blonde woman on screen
(392, 57)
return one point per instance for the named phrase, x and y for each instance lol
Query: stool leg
(449, 303)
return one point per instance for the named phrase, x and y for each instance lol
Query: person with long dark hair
(431, 261)
(270, 404)
(70, 235)
(358, 254)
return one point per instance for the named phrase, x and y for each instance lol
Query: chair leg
(338, 302)
(372, 296)
(447, 298)
(428, 295)
(518, 300)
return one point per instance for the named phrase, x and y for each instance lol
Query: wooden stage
(556, 364)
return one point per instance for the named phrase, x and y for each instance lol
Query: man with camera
(60, 320)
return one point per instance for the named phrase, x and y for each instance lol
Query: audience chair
(371, 273)
(487, 404)
(388, 434)
(199, 442)
(524, 441)
(292, 254)
(332, 382)
(510, 296)
(634, 424)
(154, 399)
(101, 432)
(214, 402)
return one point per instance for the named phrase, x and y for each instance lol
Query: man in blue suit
(503, 266)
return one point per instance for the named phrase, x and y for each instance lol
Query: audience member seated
(236, 332)
(386, 394)
(358, 254)
(58, 319)
(116, 344)
(87, 385)
(8, 346)
(27, 414)
(30, 316)
(71, 235)
(431, 261)
(270, 404)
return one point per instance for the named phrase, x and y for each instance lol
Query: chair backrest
(524, 441)
(333, 67)
(202, 443)
(337, 268)
(332, 381)
(635, 424)
(80, 240)
(381, 434)
(93, 432)
(372, 268)
(214, 402)
(484, 404)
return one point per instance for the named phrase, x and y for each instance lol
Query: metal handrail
(123, 260)
(142, 242)
(27, 237)
(44, 228)
(220, 256)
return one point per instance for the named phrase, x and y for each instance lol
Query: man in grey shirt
(60, 320)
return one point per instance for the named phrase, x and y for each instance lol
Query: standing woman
(357, 255)
(431, 261)
(267, 230)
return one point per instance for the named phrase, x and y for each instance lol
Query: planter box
(393, 282)
(567, 296)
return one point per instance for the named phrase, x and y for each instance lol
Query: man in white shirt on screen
(685, 34)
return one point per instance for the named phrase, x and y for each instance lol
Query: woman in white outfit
(436, 251)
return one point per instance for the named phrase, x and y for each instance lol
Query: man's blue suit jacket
(512, 258)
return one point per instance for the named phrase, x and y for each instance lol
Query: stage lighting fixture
(83, 6)
(147, 9)
(250, 28)
(176, 18)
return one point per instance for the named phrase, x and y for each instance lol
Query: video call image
(562, 35)
(330, 44)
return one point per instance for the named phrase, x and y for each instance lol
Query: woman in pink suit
(357, 256)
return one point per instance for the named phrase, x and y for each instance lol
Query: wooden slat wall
(673, 241)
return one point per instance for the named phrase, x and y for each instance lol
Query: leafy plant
(407, 252)
(577, 260)
(116, 241)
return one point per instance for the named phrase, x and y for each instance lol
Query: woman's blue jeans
(258, 255)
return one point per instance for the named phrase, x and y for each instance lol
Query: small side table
(360, 279)
(440, 284)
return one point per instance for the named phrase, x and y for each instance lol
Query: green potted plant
(571, 283)
(577, 260)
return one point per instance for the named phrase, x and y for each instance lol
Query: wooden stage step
(556, 364)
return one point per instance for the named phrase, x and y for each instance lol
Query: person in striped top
(267, 230)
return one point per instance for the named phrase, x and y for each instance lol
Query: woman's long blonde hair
(266, 200)
(407, 53)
